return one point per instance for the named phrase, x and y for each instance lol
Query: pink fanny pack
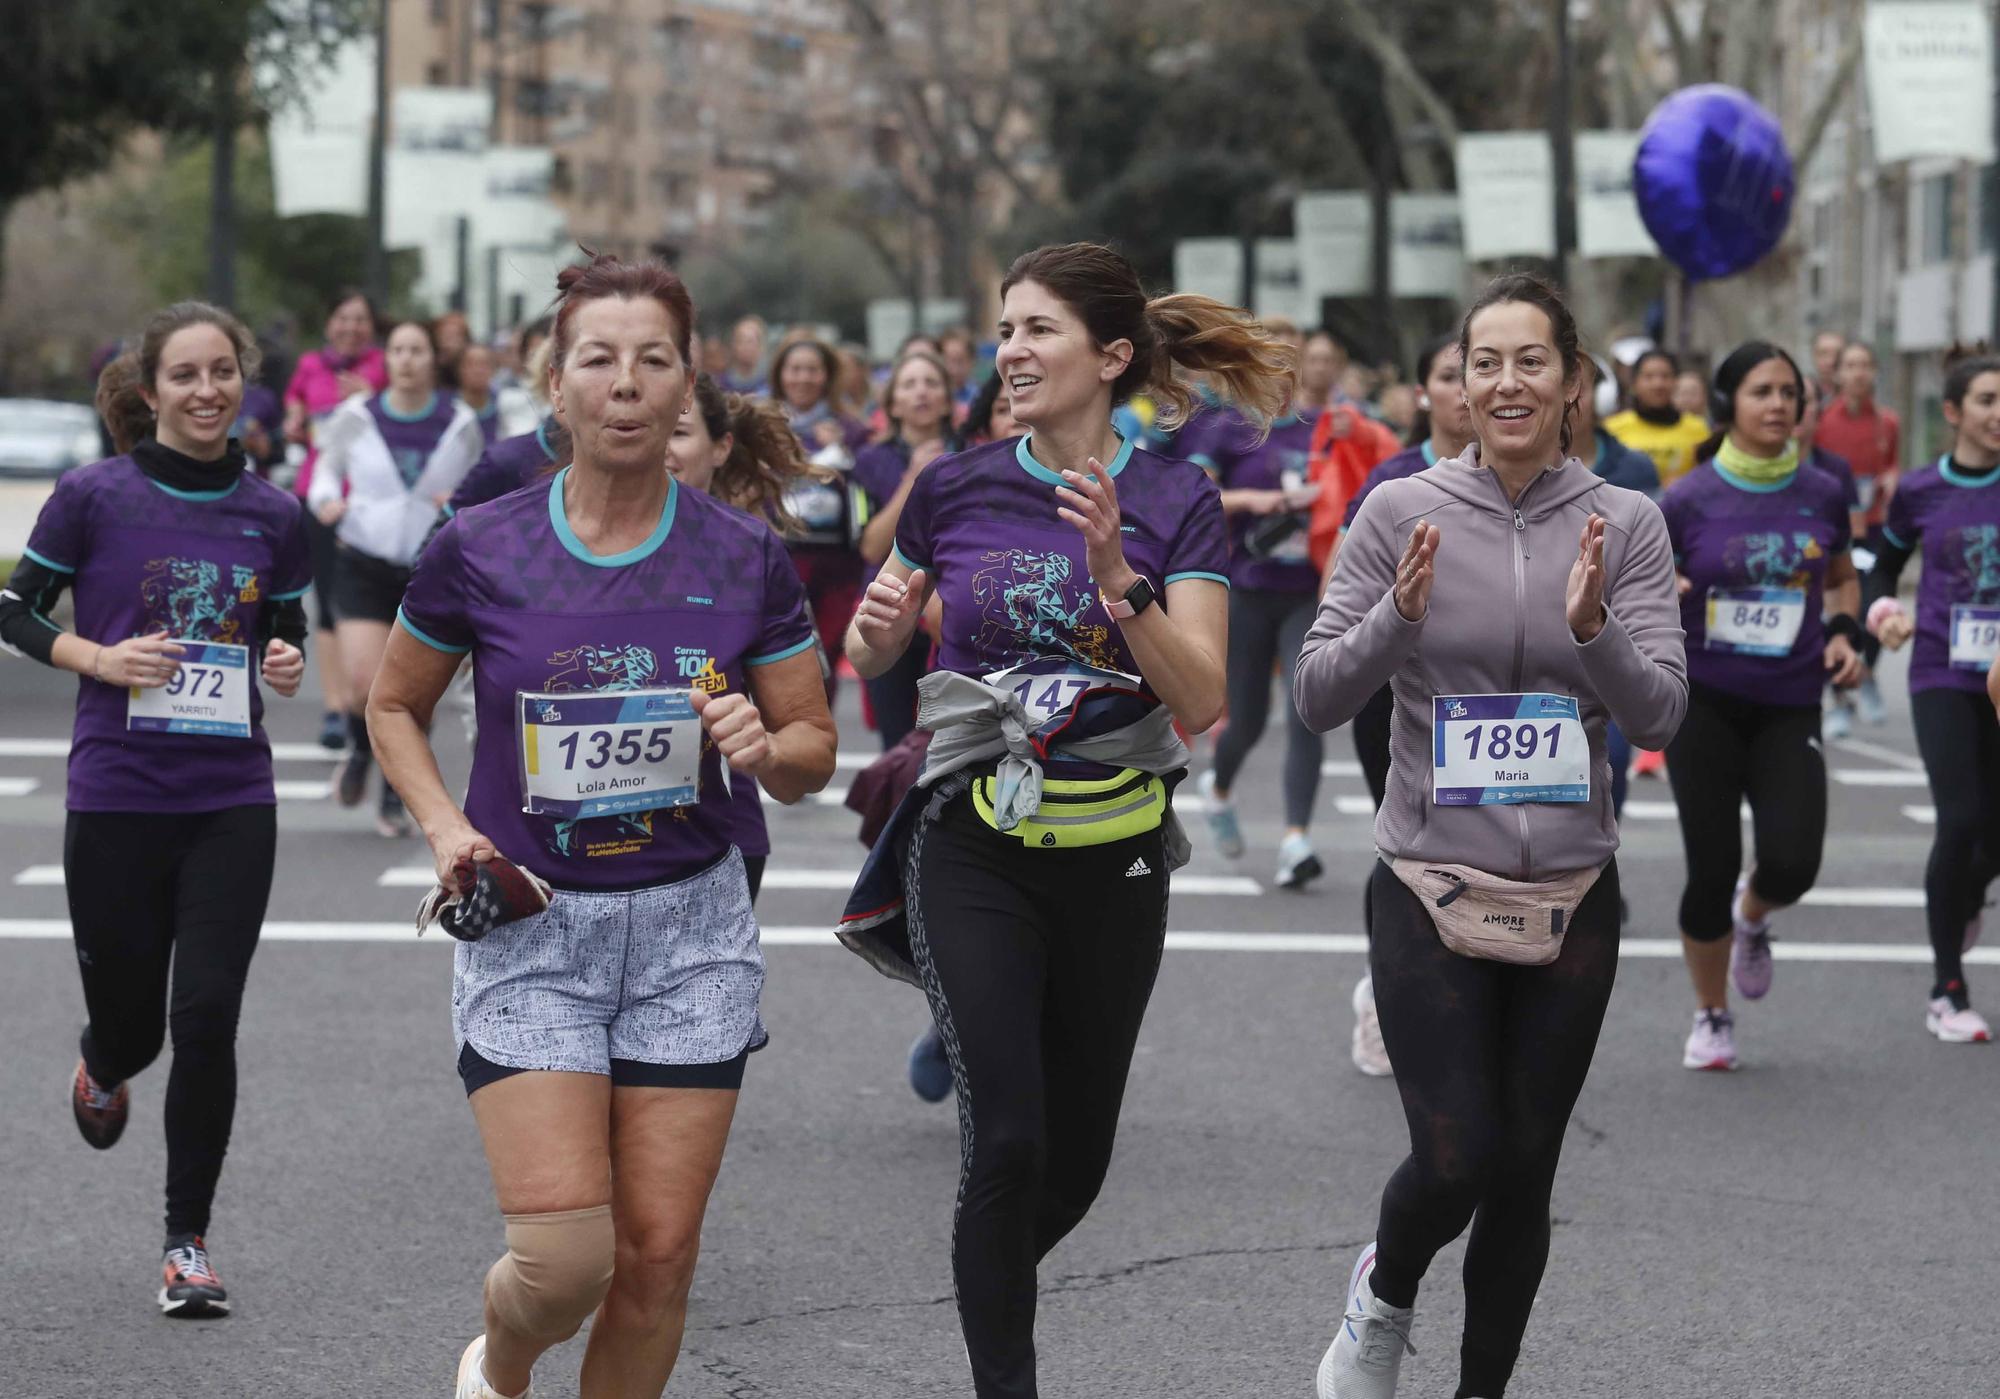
(1501, 920)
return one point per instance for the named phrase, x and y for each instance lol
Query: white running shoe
(1952, 1019)
(1750, 949)
(1371, 1056)
(472, 1375)
(1297, 865)
(1838, 722)
(1222, 822)
(1367, 1351)
(1712, 1042)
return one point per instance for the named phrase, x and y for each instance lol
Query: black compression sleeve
(285, 621)
(1881, 580)
(25, 628)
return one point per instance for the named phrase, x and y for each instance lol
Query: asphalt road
(1821, 1223)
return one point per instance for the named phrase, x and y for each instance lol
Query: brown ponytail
(120, 404)
(1243, 360)
(765, 458)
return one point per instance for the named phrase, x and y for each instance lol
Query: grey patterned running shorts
(667, 975)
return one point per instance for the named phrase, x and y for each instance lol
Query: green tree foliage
(801, 268)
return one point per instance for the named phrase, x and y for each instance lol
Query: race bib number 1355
(602, 754)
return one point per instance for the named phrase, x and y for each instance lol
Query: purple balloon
(1713, 180)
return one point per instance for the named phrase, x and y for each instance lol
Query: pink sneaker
(1952, 1019)
(1711, 1044)
(1750, 956)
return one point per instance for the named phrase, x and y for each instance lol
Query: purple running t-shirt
(199, 564)
(504, 467)
(1953, 518)
(1224, 443)
(1756, 551)
(1407, 462)
(708, 595)
(1013, 575)
(412, 439)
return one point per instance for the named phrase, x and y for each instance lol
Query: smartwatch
(1137, 599)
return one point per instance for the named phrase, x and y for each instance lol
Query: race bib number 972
(603, 754)
(1507, 749)
(209, 694)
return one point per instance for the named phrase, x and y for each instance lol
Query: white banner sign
(1209, 267)
(436, 162)
(1930, 79)
(1333, 243)
(517, 210)
(1278, 293)
(319, 140)
(1426, 239)
(1506, 192)
(1607, 214)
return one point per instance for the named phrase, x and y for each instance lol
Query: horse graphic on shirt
(1027, 603)
(1979, 557)
(1775, 559)
(189, 598)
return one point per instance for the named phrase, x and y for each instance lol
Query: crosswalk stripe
(18, 786)
(1922, 815)
(59, 748)
(1880, 752)
(40, 876)
(805, 935)
(303, 791)
(840, 881)
(1878, 777)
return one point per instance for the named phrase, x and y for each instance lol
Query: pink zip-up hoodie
(1496, 625)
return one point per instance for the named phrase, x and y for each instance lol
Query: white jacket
(385, 517)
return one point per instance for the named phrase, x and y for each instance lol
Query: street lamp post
(1563, 143)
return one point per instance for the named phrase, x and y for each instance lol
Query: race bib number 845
(603, 754)
(1507, 749)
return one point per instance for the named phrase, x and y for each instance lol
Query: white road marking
(59, 748)
(303, 791)
(1878, 777)
(1881, 753)
(835, 881)
(799, 935)
(18, 786)
(1864, 898)
(1340, 767)
(1922, 815)
(40, 876)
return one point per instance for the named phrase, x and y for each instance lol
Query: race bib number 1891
(1975, 636)
(1507, 749)
(209, 694)
(603, 754)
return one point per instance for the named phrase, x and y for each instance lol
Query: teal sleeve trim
(1206, 463)
(1196, 573)
(1893, 538)
(46, 562)
(776, 656)
(420, 634)
(294, 595)
(905, 560)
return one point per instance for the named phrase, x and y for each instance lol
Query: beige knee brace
(556, 1270)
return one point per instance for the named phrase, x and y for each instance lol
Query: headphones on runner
(1722, 406)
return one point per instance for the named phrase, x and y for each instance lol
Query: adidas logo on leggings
(1139, 867)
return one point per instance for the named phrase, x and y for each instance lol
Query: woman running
(188, 572)
(1443, 430)
(350, 364)
(475, 389)
(740, 450)
(1273, 592)
(1761, 544)
(628, 637)
(824, 550)
(1083, 580)
(918, 406)
(388, 464)
(1514, 601)
(1951, 512)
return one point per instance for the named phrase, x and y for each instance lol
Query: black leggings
(152, 892)
(893, 693)
(1266, 629)
(1729, 749)
(1960, 741)
(1370, 728)
(1038, 965)
(1489, 1060)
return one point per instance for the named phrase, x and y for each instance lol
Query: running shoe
(1222, 823)
(1712, 1042)
(472, 1375)
(1868, 702)
(100, 1112)
(1367, 1350)
(191, 1287)
(1297, 865)
(1649, 762)
(1371, 1055)
(1750, 951)
(333, 731)
(1838, 722)
(350, 785)
(391, 820)
(930, 1070)
(1951, 1018)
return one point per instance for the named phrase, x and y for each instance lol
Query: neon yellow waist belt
(1080, 812)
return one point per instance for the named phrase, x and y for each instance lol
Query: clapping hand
(1583, 602)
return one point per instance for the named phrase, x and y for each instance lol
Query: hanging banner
(1607, 216)
(1426, 239)
(1278, 293)
(1507, 194)
(1209, 267)
(1930, 79)
(319, 138)
(1332, 232)
(436, 172)
(516, 210)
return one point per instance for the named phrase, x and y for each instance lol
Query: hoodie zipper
(1520, 535)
